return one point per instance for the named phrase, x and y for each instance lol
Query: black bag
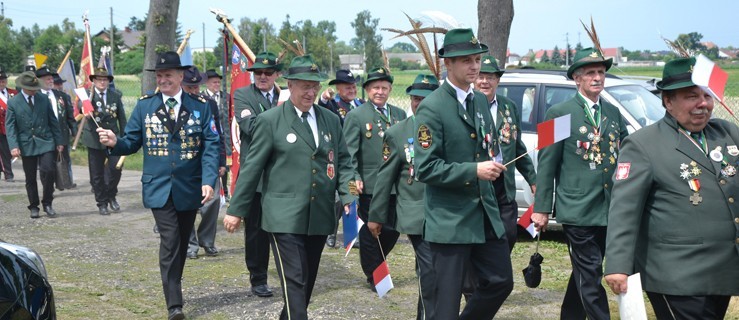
(63, 180)
(532, 273)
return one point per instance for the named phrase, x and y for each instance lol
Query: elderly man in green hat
(455, 147)
(304, 141)
(398, 174)
(364, 128)
(250, 102)
(582, 166)
(508, 128)
(33, 134)
(673, 216)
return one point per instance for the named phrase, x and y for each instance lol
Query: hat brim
(461, 53)
(370, 80)
(335, 81)
(258, 66)
(499, 72)
(164, 67)
(675, 86)
(320, 77)
(606, 62)
(27, 87)
(418, 92)
(92, 77)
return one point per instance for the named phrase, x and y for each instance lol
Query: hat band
(687, 76)
(424, 86)
(461, 46)
(296, 70)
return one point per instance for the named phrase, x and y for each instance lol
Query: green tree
(570, 53)
(545, 58)
(130, 62)
(211, 61)
(691, 41)
(138, 24)
(12, 55)
(317, 40)
(369, 42)
(557, 58)
(402, 47)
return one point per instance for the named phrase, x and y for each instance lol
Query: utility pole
(331, 57)
(112, 42)
(205, 61)
(264, 39)
(567, 49)
(2, 9)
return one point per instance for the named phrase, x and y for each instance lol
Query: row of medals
(111, 109)
(507, 130)
(410, 158)
(380, 132)
(590, 151)
(727, 169)
(157, 135)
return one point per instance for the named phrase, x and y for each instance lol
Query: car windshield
(643, 105)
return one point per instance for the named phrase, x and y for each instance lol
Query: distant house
(352, 62)
(416, 57)
(131, 37)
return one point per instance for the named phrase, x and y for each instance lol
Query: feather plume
(296, 49)
(299, 46)
(417, 36)
(593, 35)
(385, 60)
(281, 55)
(678, 48)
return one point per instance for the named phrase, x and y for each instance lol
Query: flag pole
(88, 43)
(222, 18)
(64, 61)
(521, 156)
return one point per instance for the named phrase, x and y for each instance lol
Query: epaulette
(146, 96)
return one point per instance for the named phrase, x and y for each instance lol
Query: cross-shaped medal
(696, 199)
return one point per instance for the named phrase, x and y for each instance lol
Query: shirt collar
(300, 113)
(588, 101)
(461, 94)
(177, 97)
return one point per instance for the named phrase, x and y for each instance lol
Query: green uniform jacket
(456, 200)
(583, 190)
(508, 127)
(654, 228)
(394, 177)
(178, 161)
(300, 181)
(65, 116)
(363, 128)
(109, 114)
(248, 104)
(34, 131)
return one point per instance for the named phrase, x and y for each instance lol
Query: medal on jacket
(368, 134)
(695, 185)
(330, 172)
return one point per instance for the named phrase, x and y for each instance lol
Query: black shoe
(103, 210)
(72, 186)
(9, 180)
(192, 255)
(50, 211)
(156, 228)
(261, 290)
(356, 244)
(210, 251)
(176, 314)
(114, 205)
(34, 213)
(331, 241)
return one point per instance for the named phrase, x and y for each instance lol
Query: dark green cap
(461, 42)
(677, 74)
(489, 65)
(265, 60)
(303, 68)
(378, 74)
(423, 85)
(588, 56)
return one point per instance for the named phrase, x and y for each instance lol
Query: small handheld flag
(383, 281)
(525, 222)
(553, 131)
(352, 224)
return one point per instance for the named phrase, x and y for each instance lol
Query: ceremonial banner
(239, 78)
(66, 72)
(86, 65)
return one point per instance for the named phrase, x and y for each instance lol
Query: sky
(537, 24)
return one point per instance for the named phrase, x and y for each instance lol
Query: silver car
(535, 91)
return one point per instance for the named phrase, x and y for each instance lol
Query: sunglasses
(263, 72)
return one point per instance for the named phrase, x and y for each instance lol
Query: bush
(130, 62)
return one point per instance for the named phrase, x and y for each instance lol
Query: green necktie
(171, 102)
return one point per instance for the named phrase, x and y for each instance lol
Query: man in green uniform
(508, 128)
(179, 139)
(250, 102)
(364, 128)
(109, 113)
(673, 216)
(33, 134)
(582, 165)
(455, 147)
(299, 151)
(64, 113)
(397, 175)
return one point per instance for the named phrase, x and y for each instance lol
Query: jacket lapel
(686, 147)
(298, 126)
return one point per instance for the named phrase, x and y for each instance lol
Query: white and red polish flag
(525, 222)
(710, 77)
(381, 276)
(552, 131)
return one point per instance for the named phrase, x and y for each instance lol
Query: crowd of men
(640, 203)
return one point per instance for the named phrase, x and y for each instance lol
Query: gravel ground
(106, 266)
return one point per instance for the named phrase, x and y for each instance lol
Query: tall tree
(11, 54)
(367, 40)
(691, 41)
(557, 57)
(161, 27)
(402, 47)
(494, 19)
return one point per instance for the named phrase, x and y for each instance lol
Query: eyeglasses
(263, 72)
(314, 88)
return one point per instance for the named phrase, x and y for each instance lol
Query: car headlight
(28, 255)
